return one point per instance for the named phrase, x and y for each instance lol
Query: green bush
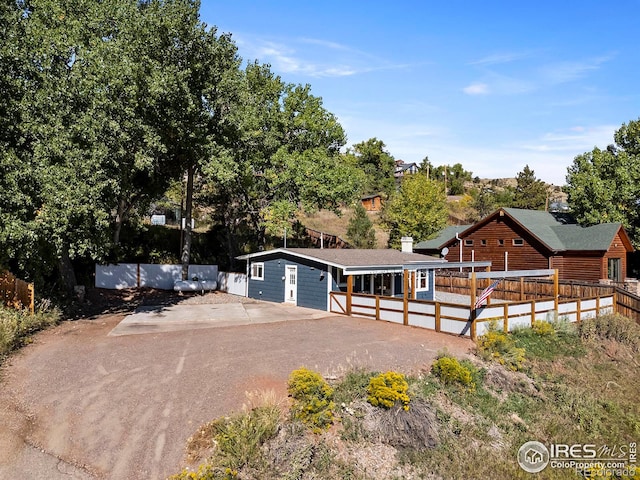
(313, 399)
(500, 346)
(388, 388)
(239, 438)
(449, 370)
(612, 326)
(17, 325)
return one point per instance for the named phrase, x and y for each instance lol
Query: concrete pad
(172, 318)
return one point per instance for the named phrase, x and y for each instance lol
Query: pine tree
(360, 231)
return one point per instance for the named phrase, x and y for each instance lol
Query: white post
(321, 240)
(473, 259)
(506, 261)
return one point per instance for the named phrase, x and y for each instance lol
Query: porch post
(349, 293)
(413, 284)
(472, 309)
(405, 297)
(556, 290)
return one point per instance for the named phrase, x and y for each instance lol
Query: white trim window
(257, 271)
(422, 280)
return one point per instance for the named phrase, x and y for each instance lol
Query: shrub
(449, 370)
(499, 346)
(353, 386)
(313, 399)
(239, 438)
(206, 471)
(541, 327)
(17, 325)
(386, 389)
(614, 327)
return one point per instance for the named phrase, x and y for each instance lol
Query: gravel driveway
(78, 403)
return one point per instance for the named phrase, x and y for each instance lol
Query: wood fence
(326, 240)
(456, 318)
(628, 304)
(16, 293)
(513, 290)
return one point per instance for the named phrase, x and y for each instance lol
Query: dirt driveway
(79, 403)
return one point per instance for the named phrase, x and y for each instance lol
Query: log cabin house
(517, 239)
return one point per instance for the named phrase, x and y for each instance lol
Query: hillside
(553, 384)
(328, 222)
(459, 206)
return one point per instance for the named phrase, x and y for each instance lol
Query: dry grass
(328, 222)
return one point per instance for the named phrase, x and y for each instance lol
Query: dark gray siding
(311, 288)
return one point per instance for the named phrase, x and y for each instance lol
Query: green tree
(604, 185)
(418, 210)
(60, 149)
(484, 202)
(453, 176)
(109, 102)
(360, 231)
(377, 165)
(196, 95)
(286, 152)
(530, 193)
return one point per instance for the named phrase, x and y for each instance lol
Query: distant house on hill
(517, 239)
(403, 169)
(372, 203)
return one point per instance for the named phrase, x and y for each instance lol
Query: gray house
(306, 276)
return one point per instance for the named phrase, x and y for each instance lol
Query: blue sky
(493, 85)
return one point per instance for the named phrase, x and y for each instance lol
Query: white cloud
(476, 89)
(577, 139)
(313, 57)
(498, 58)
(568, 71)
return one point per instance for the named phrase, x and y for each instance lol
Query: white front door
(291, 284)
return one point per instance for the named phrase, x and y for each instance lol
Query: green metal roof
(443, 237)
(560, 232)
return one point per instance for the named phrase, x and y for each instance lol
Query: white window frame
(519, 240)
(257, 271)
(422, 276)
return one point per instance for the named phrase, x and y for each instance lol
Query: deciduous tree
(604, 185)
(418, 210)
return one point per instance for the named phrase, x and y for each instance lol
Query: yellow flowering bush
(386, 389)
(206, 471)
(313, 399)
(450, 370)
(542, 328)
(499, 346)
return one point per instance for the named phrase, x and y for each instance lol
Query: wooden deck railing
(456, 318)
